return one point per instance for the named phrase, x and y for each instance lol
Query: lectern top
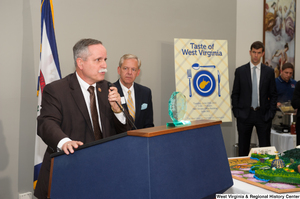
(161, 130)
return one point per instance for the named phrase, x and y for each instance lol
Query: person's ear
(79, 63)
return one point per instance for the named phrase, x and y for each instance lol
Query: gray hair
(80, 49)
(129, 56)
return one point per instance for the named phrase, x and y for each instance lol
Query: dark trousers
(245, 127)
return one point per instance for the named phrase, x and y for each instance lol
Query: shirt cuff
(62, 142)
(121, 117)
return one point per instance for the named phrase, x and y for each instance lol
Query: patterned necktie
(94, 113)
(254, 103)
(130, 105)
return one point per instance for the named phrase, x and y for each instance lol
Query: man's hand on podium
(68, 146)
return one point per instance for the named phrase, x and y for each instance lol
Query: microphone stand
(131, 122)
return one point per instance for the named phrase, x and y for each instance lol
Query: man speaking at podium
(79, 108)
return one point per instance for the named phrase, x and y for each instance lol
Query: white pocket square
(144, 106)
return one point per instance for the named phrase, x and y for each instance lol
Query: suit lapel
(79, 100)
(102, 94)
(248, 76)
(117, 84)
(138, 102)
(262, 75)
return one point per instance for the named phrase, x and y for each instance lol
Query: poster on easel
(201, 74)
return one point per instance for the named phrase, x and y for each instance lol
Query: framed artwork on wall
(279, 33)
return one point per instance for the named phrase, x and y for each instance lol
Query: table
(240, 187)
(282, 141)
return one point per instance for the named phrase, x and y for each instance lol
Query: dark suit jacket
(64, 114)
(296, 99)
(242, 92)
(143, 105)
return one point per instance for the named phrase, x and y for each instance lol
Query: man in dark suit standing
(79, 108)
(137, 99)
(254, 99)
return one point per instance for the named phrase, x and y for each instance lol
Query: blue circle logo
(204, 83)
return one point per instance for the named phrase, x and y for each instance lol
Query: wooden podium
(159, 162)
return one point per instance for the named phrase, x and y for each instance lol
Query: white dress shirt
(125, 92)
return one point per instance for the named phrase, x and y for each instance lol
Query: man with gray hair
(135, 98)
(78, 109)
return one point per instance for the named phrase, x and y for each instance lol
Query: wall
(17, 98)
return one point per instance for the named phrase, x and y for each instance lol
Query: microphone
(131, 122)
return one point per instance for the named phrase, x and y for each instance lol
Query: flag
(49, 71)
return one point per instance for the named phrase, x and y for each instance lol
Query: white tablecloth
(240, 187)
(282, 141)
